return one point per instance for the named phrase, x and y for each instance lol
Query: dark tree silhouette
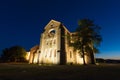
(87, 39)
(14, 54)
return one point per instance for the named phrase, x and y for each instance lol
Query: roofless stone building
(55, 47)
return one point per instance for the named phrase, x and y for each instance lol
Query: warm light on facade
(54, 47)
(28, 55)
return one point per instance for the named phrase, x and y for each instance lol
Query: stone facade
(54, 47)
(33, 57)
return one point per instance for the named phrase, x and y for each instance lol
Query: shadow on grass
(59, 72)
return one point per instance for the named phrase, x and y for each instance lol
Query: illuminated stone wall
(54, 47)
(49, 44)
(27, 56)
(33, 57)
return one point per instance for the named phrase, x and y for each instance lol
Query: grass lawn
(12, 71)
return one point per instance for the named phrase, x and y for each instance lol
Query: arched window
(50, 53)
(51, 33)
(54, 42)
(45, 53)
(70, 54)
(55, 53)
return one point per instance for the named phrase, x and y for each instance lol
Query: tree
(87, 39)
(15, 53)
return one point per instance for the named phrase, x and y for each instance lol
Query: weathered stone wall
(54, 47)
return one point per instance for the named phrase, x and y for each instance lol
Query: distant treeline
(13, 54)
(101, 60)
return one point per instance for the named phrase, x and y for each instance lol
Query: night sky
(22, 21)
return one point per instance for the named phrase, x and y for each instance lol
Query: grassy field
(19, 71)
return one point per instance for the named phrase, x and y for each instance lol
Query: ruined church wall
(50, 47)
(55, 48)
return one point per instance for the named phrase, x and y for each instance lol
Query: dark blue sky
(22, 21)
